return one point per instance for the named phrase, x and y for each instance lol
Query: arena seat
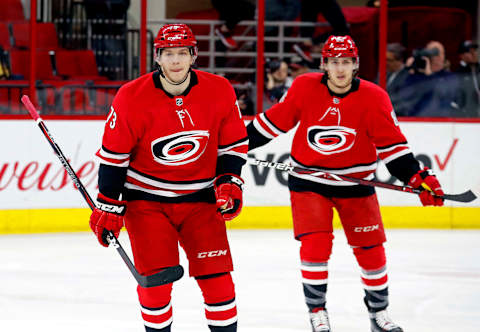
(77, 65)
(12, 10)
(4, 36)
(20, 59)
(47, 38)
(10, 94)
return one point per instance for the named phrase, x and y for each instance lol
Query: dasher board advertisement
(31, 176)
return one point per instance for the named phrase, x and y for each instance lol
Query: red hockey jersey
(171, 144)
(342, 134)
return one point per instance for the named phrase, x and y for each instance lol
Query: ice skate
(380, 322)
(319, 321)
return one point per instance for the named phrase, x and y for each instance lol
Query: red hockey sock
(220, 307)
(156, 307)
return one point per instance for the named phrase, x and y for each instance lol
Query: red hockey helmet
(175, 35)
(340, 47)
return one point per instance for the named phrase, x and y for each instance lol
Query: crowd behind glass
(420, 85)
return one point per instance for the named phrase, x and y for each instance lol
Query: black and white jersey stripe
(111, 158)
(137, 180)
(316, 177)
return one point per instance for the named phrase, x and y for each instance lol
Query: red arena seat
(20, 59)
(47, 38)
(78, 65)
(12, 10)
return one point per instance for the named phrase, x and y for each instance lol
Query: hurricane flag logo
(330, 139)
(180, 148)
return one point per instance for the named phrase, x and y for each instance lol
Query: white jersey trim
(396, 155)
(154, 192)
(260, 129)
(329, 182)
(343, 171)
(105, 162)
(109, 155)
(169, 186)
(383, 150)
(270, 125)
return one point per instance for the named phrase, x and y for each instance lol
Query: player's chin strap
(171, 82)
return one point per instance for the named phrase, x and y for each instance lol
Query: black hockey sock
(229, 328)
(165, 329)
(376, 300)
(315, 296)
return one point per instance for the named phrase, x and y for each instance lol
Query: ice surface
(68, 283)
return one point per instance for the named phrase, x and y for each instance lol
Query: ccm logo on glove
(107, 217)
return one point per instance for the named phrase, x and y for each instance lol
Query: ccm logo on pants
(213, 253)
(367, 228)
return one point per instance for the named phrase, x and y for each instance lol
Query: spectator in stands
(245, 102)
(298, 66)
(469, 76)
(397, 73)
(278, 80)
(332, 12)
(430, 90)
(232, 12)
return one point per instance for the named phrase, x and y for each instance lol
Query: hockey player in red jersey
(344, 124)
(171, 158)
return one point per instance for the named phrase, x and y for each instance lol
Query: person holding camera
(430, 90)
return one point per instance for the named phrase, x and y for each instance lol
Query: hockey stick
(465, 197)
(166, 276)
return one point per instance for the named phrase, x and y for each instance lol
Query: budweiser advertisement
(31, 177)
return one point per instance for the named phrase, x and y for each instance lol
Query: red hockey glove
(428, 181)
(108, 216)
(228, 191)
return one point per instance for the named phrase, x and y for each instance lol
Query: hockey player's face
(175, 62)
(340, 73)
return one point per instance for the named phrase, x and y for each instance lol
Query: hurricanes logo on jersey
(180, 148)
(330, 139)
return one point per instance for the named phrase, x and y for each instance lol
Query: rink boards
(37, 195)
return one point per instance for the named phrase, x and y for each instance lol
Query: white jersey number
(112, 118)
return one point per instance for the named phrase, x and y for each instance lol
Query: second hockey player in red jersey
(344, 124)
(173, 147)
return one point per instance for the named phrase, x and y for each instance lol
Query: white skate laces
(320, 321)
(383, 322)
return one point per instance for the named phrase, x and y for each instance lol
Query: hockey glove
(108, 216)
(228, 192)
(425, 179)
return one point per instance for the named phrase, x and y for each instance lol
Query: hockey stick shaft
(165, 276)
(465, 197)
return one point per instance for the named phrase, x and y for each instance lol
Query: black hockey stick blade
(465, 197)
(165, 276)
